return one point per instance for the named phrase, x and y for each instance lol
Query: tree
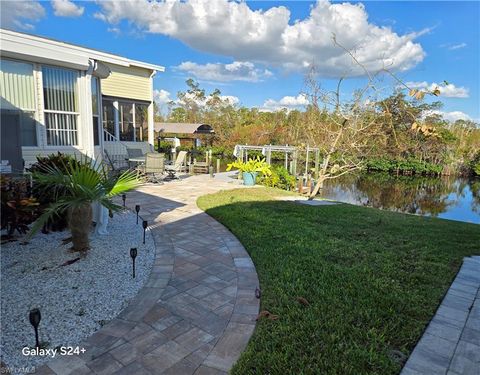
(81, 184)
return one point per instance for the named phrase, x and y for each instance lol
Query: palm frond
(125, 182)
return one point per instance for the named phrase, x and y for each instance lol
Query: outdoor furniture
(178, 166)
(138, 160)
(135, 155)
(117, 165)
(200, 166)
(154, 167)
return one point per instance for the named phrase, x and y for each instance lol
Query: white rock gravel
(75, 300)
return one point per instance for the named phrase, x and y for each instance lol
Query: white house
(57, 96)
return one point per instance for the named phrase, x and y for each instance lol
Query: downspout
(151, 115)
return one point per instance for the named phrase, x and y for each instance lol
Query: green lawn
(373, 280)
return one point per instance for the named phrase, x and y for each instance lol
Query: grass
(373, 280)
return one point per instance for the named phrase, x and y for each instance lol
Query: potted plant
(251, 169)
(76, 186)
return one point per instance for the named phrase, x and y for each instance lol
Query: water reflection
(447, 197)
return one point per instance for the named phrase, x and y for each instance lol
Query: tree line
(368, 130)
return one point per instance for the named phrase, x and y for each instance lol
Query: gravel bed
(75, 300)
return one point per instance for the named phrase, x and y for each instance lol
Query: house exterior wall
(129, 79)
(128, 82)
(85, 144)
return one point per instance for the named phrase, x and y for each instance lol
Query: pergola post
(306, 162)
(295, 157)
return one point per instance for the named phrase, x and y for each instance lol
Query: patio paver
(196, 312)
(451, 343)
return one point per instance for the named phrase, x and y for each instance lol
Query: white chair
(178, 166)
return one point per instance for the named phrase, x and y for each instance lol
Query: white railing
(109, 137)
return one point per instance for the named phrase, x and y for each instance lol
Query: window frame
(98, 116)
(134, 103)
(77, 114)
(36, 100)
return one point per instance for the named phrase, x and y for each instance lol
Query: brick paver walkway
(197, 311)
(451, 342)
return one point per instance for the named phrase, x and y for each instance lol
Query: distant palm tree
(81, 184)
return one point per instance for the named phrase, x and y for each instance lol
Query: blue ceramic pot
(249, 178)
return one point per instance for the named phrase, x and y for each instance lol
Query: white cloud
(457, 46)
(270, 37)
(232, 100)
(217, 72)
(448, 91)
(163, 97)
(452, 116)
(287, 102)
(114, 30)
(20, 14)
(453, 47)
(66, 8)
(226, 99)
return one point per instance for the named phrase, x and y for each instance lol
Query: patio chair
(172, 170)
(154, 167)
(134, 153)
(116, 166)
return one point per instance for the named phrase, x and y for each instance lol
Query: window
(108, 118)
(126, 121)
(132, 120)
(95, 112)
(60, 105)
(18, 97)
(141, 122)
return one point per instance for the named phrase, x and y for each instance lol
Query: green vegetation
(279, 178)
(402, 127)
(475, 164)
(48, 196)
(18, 208)
(256, 165)
(373, 280)
(404, 166)
(75, 187)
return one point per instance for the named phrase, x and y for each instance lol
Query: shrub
(18, 208)
(280, 178)
(46, 197)
(165, 147)
(475, 164)
(82, 184)
(403, 166)
(256, 165)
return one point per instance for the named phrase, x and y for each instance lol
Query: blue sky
(256, 52)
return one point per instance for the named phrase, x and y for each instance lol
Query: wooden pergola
(291, 156)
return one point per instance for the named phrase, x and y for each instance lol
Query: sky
(257, 53)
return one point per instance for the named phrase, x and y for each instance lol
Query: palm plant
(76, 187)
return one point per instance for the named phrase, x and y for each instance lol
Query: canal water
(451, 198)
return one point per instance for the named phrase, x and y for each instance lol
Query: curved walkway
(197, 311)
(451, 343)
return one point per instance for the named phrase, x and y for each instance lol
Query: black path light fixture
(35, 318)
(137, 210)
(145, 225)
(124, 198)
(133, 255)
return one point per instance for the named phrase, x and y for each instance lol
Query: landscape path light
(124, 198)
(35, 318)
(133, 255)
(137, 210)
(145, 225)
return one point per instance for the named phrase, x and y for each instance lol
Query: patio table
(140, 159)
